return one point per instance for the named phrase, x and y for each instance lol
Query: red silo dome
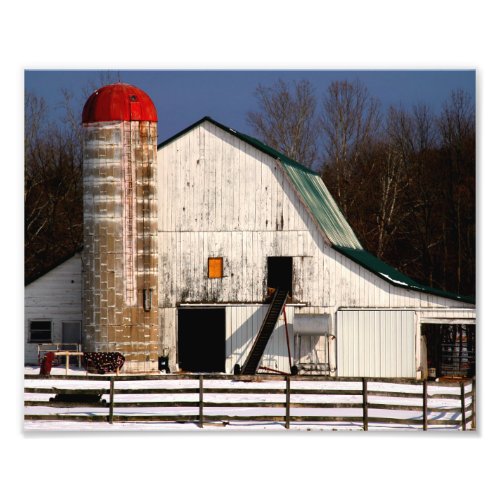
(119, 102)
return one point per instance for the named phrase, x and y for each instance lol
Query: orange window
(215, 267)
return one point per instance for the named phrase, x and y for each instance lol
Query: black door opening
(202, 340)
(279, 273)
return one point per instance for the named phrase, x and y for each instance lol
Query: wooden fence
(227, 399)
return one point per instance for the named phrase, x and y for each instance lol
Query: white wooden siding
(219, 196)
(376, 343)
(56, 296)
(242, 325)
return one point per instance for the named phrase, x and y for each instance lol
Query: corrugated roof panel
(322, 206)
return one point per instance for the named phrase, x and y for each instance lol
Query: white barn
(237, 220)
(225, 195)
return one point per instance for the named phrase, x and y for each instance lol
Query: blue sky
(183, 97)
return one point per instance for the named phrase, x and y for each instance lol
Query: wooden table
(68, 354)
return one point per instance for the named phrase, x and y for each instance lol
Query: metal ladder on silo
(128, 201)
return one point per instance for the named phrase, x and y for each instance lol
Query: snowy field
(438, 408)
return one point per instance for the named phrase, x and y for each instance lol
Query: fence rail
(215, 399)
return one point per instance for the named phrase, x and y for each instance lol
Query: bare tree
(286, 119)
(424, 227)
(457, 132)
(53, 189)
(391, 211)
(53, 177)
(350, 122)
(412, 135)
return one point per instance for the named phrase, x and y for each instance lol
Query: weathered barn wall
(56, 296)
(220, 197)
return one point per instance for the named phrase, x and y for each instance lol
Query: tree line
(404, 178)
(53, 181)
(53, 185)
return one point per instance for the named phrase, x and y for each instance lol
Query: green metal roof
(328, 216)
(395, 277)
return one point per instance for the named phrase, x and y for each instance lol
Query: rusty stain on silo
(120, 226)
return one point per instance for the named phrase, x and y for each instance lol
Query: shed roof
(28, 279)
(330, 220)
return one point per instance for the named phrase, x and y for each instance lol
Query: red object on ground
(119, 102)
(46, 365)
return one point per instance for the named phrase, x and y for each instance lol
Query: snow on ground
(439, 406)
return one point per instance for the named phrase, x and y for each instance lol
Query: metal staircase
(273, 313)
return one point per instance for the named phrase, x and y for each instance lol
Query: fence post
(365, 404)
(424, 396)
(474, 403)
(201, 401)
(111, 398)
(287, 404)
(462, 401)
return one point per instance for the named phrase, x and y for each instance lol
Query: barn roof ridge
(328, 216)
(246, 138)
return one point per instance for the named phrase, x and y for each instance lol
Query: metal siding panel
(340, 346)
(404, 345)
(381, 343)
(363, 342)
(383, 346)
(347, 341)
(412, 348)
(357, 347)
(378, 348)
(374, 344)
(353, 347)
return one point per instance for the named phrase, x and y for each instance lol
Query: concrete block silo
(120, 257)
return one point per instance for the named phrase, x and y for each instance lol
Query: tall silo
(120, 257)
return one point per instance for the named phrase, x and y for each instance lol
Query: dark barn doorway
(202, 340)
(451, 349)
(279, 273)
